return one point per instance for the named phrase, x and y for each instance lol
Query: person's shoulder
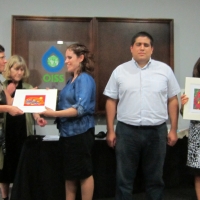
(26, 85)
(160, 64)
(2, 78)
(85, 76)
(4, 82)
(123, 65)
(126, 63)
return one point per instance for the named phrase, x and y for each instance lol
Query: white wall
(184, 12)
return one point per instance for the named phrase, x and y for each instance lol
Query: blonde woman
(17, 128)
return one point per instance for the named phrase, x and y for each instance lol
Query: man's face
(142, 50)
(3, 61)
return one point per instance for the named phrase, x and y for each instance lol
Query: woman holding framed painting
(193, 155)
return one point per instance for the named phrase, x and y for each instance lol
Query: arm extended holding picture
(12, 110)
(70, 112)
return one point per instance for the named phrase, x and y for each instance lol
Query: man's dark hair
(142, 34)
(2, 48)
(196, 70)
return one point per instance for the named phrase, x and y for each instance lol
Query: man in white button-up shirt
(142, 92)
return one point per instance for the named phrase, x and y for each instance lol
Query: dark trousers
(148, 145)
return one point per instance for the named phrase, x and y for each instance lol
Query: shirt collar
(149, 62)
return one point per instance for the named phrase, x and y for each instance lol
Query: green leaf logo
(53, 61)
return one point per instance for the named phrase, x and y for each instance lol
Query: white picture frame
(35, 100)
(191, 109)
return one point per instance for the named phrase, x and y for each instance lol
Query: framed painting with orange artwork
(35, 101)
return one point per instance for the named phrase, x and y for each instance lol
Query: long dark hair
(196, 70)
(87, 65)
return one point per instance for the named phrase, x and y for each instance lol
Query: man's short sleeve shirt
(143, 93)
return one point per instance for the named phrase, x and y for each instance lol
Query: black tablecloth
(39, 174)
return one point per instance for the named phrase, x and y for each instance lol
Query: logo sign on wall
(47, 64)
(53, 60)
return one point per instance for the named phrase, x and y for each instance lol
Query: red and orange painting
(34, 100)
(196, 103)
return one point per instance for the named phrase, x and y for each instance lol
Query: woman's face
(72, 61)
(16, 73)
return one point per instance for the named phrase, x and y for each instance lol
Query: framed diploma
(192, 107)
(35, 101)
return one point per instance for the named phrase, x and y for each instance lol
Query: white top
(142, 92)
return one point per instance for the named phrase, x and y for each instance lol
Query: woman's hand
(11, 88)
(48, 112)
(184, 99)
(41, 121)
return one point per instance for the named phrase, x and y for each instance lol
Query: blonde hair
(19, 62)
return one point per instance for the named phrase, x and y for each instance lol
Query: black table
(39, 174)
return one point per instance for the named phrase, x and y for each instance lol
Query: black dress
(15, 135)
(2, 133)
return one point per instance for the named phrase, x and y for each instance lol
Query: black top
(15, 135)
(2, 98)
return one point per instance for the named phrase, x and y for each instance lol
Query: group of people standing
(142, 93)
(75, 118)
(15, 125)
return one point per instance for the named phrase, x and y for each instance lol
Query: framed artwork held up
(191, 109)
